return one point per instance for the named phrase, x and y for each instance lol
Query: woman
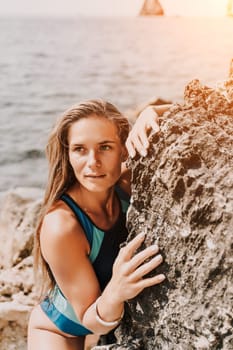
(83, 224)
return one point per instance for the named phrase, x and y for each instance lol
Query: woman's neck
(94, 202)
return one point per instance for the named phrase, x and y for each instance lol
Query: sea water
(48, 64)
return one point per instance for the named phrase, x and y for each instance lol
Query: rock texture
(183, 198)
(19, 209)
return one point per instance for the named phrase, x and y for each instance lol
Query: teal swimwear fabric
(104, 249)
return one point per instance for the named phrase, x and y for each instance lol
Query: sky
(109, 7)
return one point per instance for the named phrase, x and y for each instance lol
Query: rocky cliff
(183, 198)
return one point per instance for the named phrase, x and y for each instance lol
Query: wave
(20, 157)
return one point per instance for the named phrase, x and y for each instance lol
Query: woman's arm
(66, 250)
(147, 121)
(127, 281)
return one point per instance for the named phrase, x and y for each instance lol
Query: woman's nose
(93, 159)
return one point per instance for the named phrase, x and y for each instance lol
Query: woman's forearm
(104, 314)
(160, 109)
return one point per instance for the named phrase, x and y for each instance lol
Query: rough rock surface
(19, 209)
(183, 198)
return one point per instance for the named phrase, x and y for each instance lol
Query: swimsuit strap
(84, 221)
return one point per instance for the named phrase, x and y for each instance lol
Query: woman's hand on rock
(138, 136)
(130, 269)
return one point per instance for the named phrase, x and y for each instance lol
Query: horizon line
(81, 15)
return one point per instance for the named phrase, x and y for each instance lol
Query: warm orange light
(195, 8)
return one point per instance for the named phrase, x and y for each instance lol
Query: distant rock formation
(182, 197)
(151, 8)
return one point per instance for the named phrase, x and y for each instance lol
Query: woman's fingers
(143, 140)
(137, 141)
(130, 269)
(140, 257)
(127, 252)
(151, 281)
(130, 147)
(141, 135)
(153, 124)
(138, 138)
(147, 267)
(136, 266)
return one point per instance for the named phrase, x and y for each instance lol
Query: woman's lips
(95, 176)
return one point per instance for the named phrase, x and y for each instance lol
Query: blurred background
(55, 53)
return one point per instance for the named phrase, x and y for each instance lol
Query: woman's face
(96, 153)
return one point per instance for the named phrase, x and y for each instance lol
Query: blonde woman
(83, 224)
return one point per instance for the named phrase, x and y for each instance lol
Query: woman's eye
(79, 149)
(105, 147)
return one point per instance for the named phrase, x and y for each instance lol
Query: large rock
(17, 296)
(19, 209)
(18, 292)
(183, 198)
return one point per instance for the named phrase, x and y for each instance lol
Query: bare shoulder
(66, 250)
(60, 230)
(60, 220)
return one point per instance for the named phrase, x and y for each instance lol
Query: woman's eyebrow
(77, 144)
(74, 145)
(107, 141)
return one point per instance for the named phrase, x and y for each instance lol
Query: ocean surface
(48, 64)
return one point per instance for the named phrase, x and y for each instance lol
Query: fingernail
(142, 235)
(159, 257)
(155, 248)
(161, 277)
(132, 154)
(143, 152)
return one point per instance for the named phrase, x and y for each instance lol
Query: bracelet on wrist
(106, 323)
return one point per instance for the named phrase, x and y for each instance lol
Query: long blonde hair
(61, 176)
